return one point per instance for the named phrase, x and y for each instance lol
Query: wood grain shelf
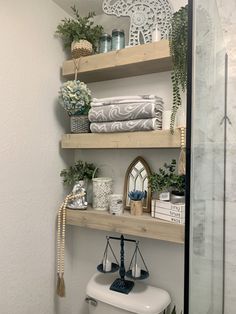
(141, 226)
(138, 60)
(148, 139)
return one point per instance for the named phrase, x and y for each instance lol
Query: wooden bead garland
(61, 229)
(182, 156)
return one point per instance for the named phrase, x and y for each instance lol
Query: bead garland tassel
(61, 228)
(182, 156)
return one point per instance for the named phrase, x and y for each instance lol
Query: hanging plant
(178, 50)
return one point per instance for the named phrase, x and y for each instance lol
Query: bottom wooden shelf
(142, 226)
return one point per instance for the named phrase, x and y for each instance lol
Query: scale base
(122, 286)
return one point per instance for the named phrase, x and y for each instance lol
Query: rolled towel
(123, 99)
(125, 126)
(123, 112)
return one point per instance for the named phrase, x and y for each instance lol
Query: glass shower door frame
(190, 61)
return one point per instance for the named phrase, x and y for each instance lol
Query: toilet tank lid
(143, 299)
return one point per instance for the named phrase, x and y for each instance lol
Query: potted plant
(178, 50)
(136, 202)
(80, 171)
(80, 33)
(168, 183)
(78, 176)
(178, 189)
(75, 98)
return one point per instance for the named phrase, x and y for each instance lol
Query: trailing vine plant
(178, 50)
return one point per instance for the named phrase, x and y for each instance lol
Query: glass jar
(118, 39)
(105, 43)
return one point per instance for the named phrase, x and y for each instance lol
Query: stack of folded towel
(126, 114)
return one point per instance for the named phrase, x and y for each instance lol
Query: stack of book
(168, 211)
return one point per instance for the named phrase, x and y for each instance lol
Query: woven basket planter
(81, 48)
(79, 124)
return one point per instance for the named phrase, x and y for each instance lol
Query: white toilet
(143, 299)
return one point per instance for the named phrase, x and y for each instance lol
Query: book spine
(170, 212)
(169, 218)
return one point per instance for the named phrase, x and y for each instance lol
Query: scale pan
(144, 275)
(114, 268)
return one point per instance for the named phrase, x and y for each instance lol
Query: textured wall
(30, 128)
(227, 10)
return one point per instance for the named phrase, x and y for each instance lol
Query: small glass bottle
(105, 43)
(118, 39)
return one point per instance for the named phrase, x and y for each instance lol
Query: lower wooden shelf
(142, 226)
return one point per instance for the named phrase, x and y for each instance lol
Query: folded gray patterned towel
(123, 112)
(125, 126)
(125, 99)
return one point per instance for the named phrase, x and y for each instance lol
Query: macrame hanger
(182, 156)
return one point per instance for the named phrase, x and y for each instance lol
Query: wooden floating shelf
(138, 60)
(142, 226)
(148, 139)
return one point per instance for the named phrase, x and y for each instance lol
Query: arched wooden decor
(136, 178)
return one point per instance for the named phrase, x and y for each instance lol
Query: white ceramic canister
(116, 204)
(102, 189)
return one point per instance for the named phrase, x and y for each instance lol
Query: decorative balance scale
(134, 272)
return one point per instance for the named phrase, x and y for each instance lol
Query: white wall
(227, 10)
(30, 127)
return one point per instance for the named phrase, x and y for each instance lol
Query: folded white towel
(123, 112)
(116, 99)
(128, 102)
(125, 126)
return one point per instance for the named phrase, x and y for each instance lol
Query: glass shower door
(206, 163)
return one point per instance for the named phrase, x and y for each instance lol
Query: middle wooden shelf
(142, 226)
(148, 139)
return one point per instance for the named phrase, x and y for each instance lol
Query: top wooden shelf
(132, 61)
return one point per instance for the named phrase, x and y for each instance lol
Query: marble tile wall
(227, 11)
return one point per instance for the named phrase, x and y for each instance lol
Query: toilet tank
(143, 299)
(103, 308)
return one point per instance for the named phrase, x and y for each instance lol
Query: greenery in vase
(136, 195)
(167, 179)
(178, 50)
(79, 28)
(80, 171)
(75, 98)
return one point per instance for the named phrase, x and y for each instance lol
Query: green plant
(174, 311)
(136, 195)
(75, 98)
(178, 50)
(79, 28)
(80, 171)
(167, 179)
